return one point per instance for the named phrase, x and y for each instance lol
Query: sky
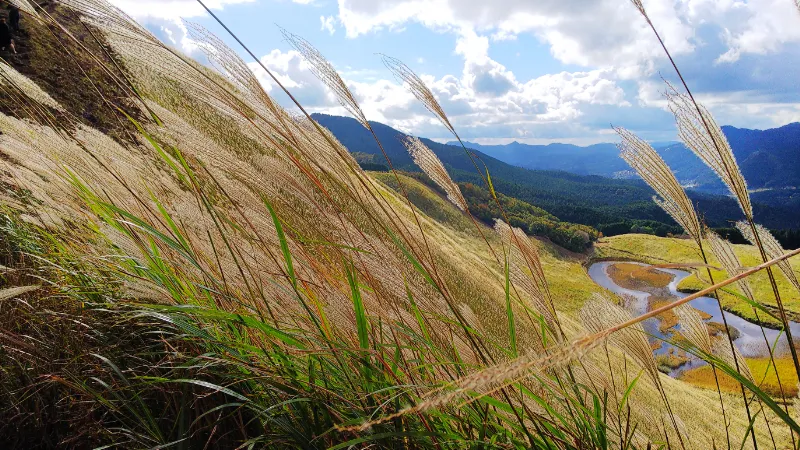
(533, 71)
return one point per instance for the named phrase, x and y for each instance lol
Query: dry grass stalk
(11, 77)
(695, 123)
(8, 293)
(652, 168)
(527, 274)
(326, 73)
(433, 167)
(772, 248)
(723, 250)
(693, 328)
(417, 87)
(599, 314)
(494, 378)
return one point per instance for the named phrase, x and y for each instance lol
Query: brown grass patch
(634, 276)
(704, 377)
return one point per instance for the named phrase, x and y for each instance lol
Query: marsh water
(750, 340)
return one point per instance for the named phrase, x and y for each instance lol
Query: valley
(611, 206)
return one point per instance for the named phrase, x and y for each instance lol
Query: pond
(750, 340)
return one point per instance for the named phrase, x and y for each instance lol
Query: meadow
(202, 268)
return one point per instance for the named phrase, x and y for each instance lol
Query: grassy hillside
(219, 272)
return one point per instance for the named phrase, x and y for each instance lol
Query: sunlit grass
(702, 377)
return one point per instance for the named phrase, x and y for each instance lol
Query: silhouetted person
(5, 36)
(13, 17)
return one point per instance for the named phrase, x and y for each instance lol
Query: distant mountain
(598, 159)
(586, 199)
(769, 159)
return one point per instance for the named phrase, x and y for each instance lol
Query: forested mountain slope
(613, 206)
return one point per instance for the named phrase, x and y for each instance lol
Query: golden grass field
(703, 377)
(339, 307)
(571, 286)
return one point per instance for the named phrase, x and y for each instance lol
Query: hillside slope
(221, 273)
(612, 206)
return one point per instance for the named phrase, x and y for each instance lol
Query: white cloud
(486, 99)
(294, 74)
(597, 33)
(169, 9)
(617, 56)
(327, 24)
(769, 24)
(163, 17)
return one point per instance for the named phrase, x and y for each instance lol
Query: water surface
(750, 342)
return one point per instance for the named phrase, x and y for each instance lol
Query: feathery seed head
(326, 73)
(414, 83)
(433, 167)
(25, 6)
(722, 350)
(723, 250)
(12, 78)
(700, 132)
(655, 172)
(600, 314)
(772, 248)
(693, 328)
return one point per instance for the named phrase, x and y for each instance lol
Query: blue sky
(531, 71)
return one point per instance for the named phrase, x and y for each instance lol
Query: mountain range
(590, 199)
(769, 159)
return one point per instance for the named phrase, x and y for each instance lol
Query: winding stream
(750, 341)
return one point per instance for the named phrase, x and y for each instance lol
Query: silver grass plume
(693, 328)
(25, 5)
(722, 350)
(433, 167)
(772, 248)
(417, 87)
(723, 250)
(495, 377)
(640, 7)
(326, 73)
(105, 16)
(713, 149)
(529, 252)
(16, 291)
(11, 77)
(228, 63)
(599, 314)
(651, 167)
(526, 273)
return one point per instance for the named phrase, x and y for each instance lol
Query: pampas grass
(417, 87)
(426, 160)
(701, 134)
(600, 313)
(326, 73)
(693, 328)
(12, 78)
(772, 248)
(655, 172)
(280, 261)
